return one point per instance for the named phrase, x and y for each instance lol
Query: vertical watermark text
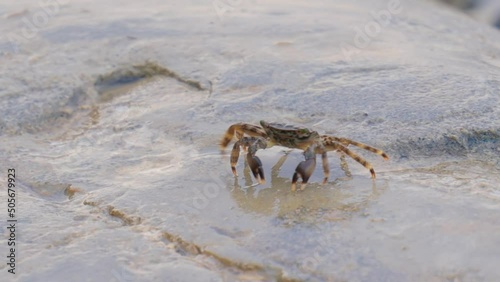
(11, 221)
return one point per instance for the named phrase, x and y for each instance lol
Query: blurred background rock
(487, 11)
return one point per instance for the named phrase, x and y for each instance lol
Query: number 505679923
(11, 192)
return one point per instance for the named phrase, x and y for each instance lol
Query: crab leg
(327, 139)
(253, 144)
(235, 155)
(332, 146)
(326, 167)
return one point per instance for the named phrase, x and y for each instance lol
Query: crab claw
(303, 170)
(256, 168)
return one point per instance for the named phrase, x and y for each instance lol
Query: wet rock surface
(114, 128)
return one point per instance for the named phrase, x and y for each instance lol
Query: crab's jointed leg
(326, 167)
(334, 146)
(253, 144)
(327, 139)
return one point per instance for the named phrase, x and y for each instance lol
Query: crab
(254, 137)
